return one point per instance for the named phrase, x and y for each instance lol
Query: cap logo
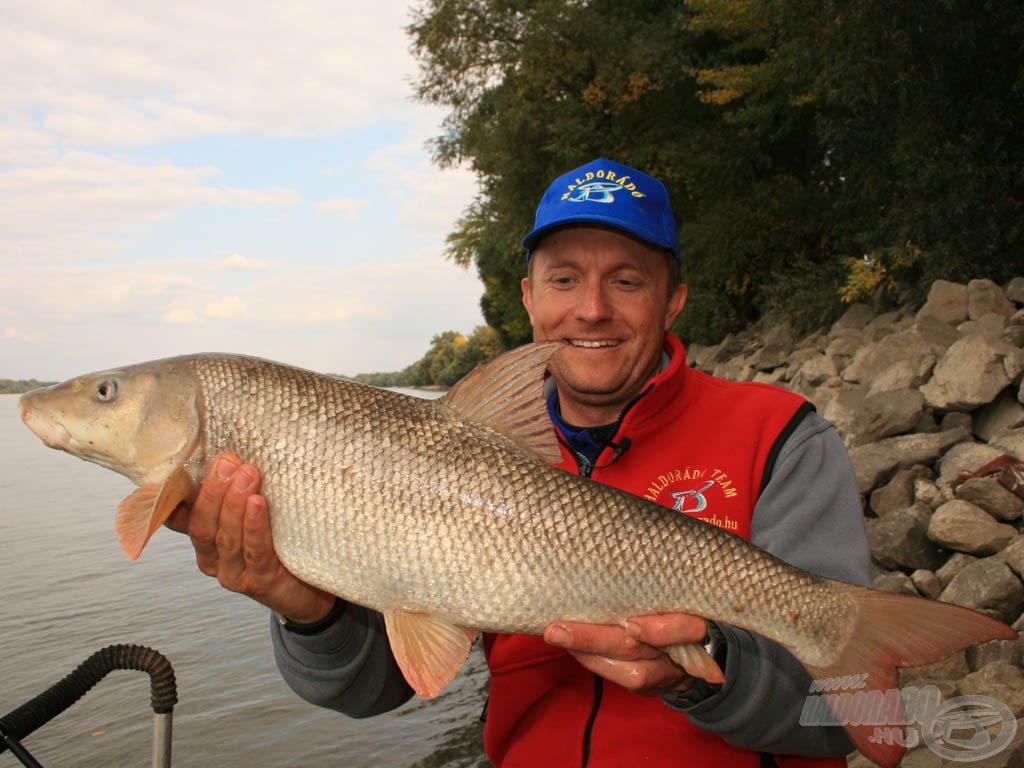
(587, 190)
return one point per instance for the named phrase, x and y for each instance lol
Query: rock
(927, 492)
(899, 541)
(961, 526)
(1013, 556)
(987, 585)
(1005, 413)
(862, 418)
(947, 301)
(971, 373)
(956, 563)
(894, 581)
(855, 318)
(921, 757)
(988, 494)
(871, 360)
(927, 583)
(903, 374)
(985, 297)
(1014, 334)
(991, 325)
(1006, 651)
(1015, 290)
(953, 667)
(875, 463)
(962, 459)
(814, 369)
(1001, 681)
(843, 346)
(1009, 441)
(898, 492)
(937, 334)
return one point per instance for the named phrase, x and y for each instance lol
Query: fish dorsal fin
(429, 650)
(507, 394)
(146, 509)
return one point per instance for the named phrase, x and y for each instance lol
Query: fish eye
(106, 390)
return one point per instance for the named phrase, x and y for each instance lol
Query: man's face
(608, 296)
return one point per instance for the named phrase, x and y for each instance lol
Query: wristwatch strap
(316, 627)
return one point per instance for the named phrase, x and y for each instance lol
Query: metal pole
(19, 751)
(162, 728)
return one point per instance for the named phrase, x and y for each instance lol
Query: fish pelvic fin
(893, 631)
(429, 650)
(507, 395)
(146, 509)
(696, 661)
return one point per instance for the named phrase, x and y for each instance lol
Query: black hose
(47, 705)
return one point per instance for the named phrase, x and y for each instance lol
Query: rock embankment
(930, 404)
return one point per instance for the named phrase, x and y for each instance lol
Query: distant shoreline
(20, 386)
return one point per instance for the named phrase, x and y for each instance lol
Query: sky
(221, 175)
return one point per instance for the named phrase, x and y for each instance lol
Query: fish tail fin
(893, 631)
(141, 513)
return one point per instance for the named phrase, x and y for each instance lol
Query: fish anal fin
(893, 631)
(145, 509)
(697, 662)
(507, 395)
(429, 650)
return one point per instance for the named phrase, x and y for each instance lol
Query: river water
(68, 590)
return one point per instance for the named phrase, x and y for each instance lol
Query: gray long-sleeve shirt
(809, 515)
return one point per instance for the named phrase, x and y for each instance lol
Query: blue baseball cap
(609, 193)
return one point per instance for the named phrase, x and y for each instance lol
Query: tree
(922, 115)
(795, 137)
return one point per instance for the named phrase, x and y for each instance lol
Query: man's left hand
(632, 656)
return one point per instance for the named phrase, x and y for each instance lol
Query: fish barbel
(448, 518)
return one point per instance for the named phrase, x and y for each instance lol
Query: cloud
(179, 316)
(131, 134)
(55, 211)
(242, 263)
(347, 208)
(110, 73)
(227, 307)
(13, 333)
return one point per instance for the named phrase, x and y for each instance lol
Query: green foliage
(795, 137)
(886, 270)
(450, 357)
(923, 115)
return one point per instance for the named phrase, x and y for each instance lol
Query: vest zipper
(589, 730)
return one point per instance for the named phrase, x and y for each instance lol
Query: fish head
(141, 421)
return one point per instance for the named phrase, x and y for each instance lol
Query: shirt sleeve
(810, 515)
(347, 667)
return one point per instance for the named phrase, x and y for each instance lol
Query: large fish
(447, 517)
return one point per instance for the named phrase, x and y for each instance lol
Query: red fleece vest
(696, 444)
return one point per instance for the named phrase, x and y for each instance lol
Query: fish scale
(448, 518)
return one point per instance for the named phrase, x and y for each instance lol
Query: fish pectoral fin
(146, 509)
(429, 650)
(697, 662)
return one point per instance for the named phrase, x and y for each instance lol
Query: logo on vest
(700, 493)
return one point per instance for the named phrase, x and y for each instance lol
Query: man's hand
(229, 526)
(632, 656)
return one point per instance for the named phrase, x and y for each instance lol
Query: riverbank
(930, 404)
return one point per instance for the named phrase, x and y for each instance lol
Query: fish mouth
(52, 433)
(593, 343)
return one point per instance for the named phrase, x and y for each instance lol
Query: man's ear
(527, 299)
(676, 302)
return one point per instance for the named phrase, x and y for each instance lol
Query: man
(603, 275)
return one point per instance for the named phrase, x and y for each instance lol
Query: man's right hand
(229, 526)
